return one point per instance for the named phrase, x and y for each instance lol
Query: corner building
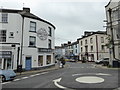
(26, 40)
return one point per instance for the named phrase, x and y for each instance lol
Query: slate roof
(25, 14)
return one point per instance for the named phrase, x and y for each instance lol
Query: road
(74, 76)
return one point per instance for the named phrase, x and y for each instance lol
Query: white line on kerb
(5, 83)
(24, 77)
(16, 80)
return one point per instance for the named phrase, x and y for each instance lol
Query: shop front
(5, 60)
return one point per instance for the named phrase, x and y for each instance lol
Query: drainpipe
(97, 46)
(21, 41)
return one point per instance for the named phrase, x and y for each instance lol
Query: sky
(70, 17)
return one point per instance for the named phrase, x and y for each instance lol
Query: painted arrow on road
(56, 81)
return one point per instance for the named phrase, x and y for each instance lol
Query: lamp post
(112, 38)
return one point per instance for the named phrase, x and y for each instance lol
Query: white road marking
(56, 83)
(90, 79)
(37, 74)
(16, 79)
(32, 75)
(60, 86)
(102, 74)
(24, 77)
(44, 72)
(5, 83)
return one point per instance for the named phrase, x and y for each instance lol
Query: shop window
(2, 35)
(9, 64)
(40, 60)
(48, 61)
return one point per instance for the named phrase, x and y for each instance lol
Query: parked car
(105, 61)
(6, 75)
(72, 60)
(99, 61)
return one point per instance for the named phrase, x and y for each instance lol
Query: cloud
(71, 18)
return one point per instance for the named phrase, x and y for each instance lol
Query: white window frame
(33, 40)
(32, 26)
(3, 36)
(4, 18)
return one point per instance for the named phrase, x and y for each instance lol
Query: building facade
(68, 50)
(92, 46)
(113, 29)
(25, 39)
(59, 51)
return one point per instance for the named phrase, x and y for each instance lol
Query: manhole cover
(89, 79)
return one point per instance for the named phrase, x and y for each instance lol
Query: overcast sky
(70, 17)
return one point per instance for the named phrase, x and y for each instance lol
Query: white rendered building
(26, 40)
(113, 29)
(92, 46)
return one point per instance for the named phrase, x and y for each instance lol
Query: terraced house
(25, 40)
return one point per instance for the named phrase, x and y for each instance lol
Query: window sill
(4, 22)
(11, 37)
(32, 46)
(33, 31)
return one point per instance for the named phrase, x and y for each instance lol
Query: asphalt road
(69, 78)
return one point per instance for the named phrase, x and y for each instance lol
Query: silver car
(6, 75)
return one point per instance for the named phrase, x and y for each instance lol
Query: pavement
(105, 67)
(101, 66)
(56, 67)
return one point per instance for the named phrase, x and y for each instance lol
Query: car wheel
(3, 78)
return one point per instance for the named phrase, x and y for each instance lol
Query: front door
(28, 63)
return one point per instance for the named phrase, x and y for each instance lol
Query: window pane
(40, 60)
(32, 41)
(4, 17)
(33, 26)
(2, 35)
(50, 33)
(48, 61)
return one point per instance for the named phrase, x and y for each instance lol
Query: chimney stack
(26, 9)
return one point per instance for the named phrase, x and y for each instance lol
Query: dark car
(105, 61)
(7, 75)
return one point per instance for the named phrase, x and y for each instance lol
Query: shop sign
(5, 54)
(44, 50)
